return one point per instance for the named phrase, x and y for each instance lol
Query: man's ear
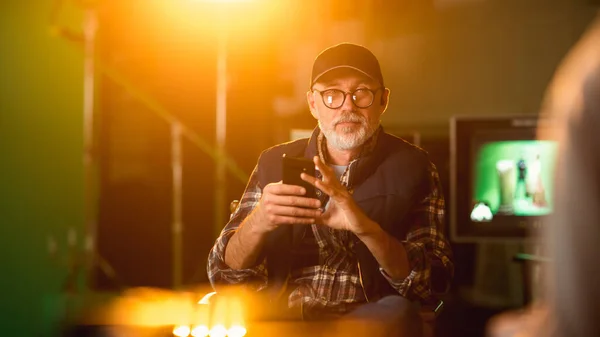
(310, 98)
(385, 99)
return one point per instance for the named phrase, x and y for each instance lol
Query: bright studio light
(223, 1)
(236, 331)
(200, 331)
(218, 331)
(181, 331)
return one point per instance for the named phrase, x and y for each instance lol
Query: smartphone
(292, 167)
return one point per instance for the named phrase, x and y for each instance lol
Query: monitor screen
(502, 178)
(512, 178)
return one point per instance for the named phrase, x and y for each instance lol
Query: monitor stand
(531, 261)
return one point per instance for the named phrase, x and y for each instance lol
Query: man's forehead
(345, 75)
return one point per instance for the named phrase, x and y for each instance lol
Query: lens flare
(200, 331)
(236, 331)
(218, 331)
(181, 331)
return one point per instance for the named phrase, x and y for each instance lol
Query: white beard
(348, 138)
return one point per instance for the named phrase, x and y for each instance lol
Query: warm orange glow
(219, 313)
(203, 331)
(201, 315)
(236, 331)
(181, 331)
(235, 312)
(218, 331)
(201, 19)
(181, 312)
(200, 331)
(153, 308)
(224, 0)
(206, 298)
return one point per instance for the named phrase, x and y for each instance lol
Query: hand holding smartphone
(293, 167)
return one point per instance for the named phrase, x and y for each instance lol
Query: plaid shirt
(334, 284)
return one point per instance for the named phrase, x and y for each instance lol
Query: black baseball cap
(346, 55)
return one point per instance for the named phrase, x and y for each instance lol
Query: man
(375, 233)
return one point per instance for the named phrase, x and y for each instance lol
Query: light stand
(177, 190)
(221, 131)
(91, 257)
(89, 155)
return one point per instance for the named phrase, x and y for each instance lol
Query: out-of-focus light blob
(218, 330)
(236, 331)
(181, 330)
(200, 331)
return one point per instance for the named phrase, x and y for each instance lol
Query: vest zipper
(361, 282)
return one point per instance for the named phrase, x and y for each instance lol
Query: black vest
(386, 184)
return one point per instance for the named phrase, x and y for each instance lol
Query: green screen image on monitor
(513, 178)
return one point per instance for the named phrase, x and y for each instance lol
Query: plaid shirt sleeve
(219, 273)
(427, 248)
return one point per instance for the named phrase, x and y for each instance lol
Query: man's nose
(348, 102)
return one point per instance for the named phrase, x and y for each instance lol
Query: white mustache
(349, 119)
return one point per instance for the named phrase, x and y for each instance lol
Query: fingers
(297, 212)
(287, 195)
(290, 200)
(323, 186)
(326, 171)
(329, 185)
(285, 204)
(290, 206)
(284, 215)
(283, 189)
(290, 220)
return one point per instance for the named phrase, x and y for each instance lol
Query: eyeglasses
(335, 98)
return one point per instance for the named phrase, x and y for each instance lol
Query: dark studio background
(440, 58)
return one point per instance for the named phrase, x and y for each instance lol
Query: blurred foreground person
(370, 243)
(571, 306)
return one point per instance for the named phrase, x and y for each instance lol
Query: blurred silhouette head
(573, 101)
